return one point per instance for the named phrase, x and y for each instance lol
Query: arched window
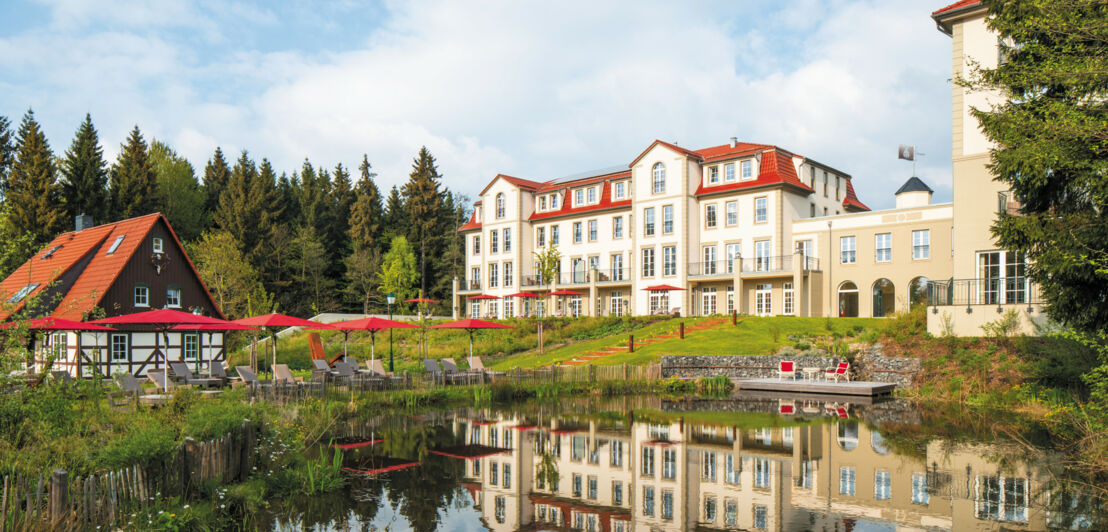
(848, 435)
(500, 205)
(917, 291)
(848, 300)
(877, 441)
(659, 181)
(884, 298)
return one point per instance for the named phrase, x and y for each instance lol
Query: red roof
(525, 184)
(956, 5)
(726, 151)
(776, 168)
(851, 202)
(472, 224)
(606, 202)
(673, 147)
(101, 271)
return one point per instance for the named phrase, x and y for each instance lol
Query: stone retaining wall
(869, 365)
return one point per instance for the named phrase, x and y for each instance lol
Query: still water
(646, 463)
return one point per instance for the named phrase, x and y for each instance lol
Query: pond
(645, 463)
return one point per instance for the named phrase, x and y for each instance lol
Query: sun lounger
(179, 371)
(282, 374)
(219, 372)
(434, 372)
(455, 374)
(476, 364)
(377, 369)
(157, 376)
(248, 376)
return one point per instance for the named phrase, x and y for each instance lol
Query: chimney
(734, 141)
(83, 221)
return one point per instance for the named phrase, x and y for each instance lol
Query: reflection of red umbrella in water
(470, 326)
(163, 320)
(271, 322)
(370, 325)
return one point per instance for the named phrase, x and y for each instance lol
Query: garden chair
(476, 364)
(219, 372)
(248, 376)
(179, 371)
(322, 369)
(434, 372)
(786, 369)
(786, 407)
(282, 374)
(377, 369)
(450, 368)
(842, 371)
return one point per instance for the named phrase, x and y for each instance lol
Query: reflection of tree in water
(421, 492)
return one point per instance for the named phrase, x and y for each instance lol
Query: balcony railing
(471, 285)
(531, 280)
(613, 275)
(780, 263)
(988, 291)
(715, 267)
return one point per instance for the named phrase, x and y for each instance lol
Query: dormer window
(553, 201)
(729, 172)
(592, 195)
(500, 205)
(713, 175)
(621, 190)
(23, 292)
(158, 245)
(579, 196)
(747, 170)
(115, 245)
(542, 203)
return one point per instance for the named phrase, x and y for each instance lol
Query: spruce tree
(34, 197)
(7, 153)
(287, 199)
(396, 216)
(266, 203)
(134, 183)
(342, 199)
(216, 175)
(86, 174)
(367, 213)
(312, 196)
(424, 205)
(235, 212)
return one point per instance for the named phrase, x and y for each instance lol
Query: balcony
(779, 264)
(531, 281)
(471, 286)
(989, 291)
(613, 275)
(721, 267)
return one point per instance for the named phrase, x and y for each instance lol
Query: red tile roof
(94, 280)
(472, 224)
(525, 184)
(851, 202)
(961, 4)
(673, 147)
(776, 169)
(725, 151)
(606, 202)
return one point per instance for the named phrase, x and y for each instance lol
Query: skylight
(50, 253)
(22, 293)
(115, 245)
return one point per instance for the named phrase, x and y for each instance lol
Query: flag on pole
(907, 153)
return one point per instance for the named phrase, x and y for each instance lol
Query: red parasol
(370, 325)
(269, 322)
(662, 288)
(55, 324)
(471, 325)
(480, 297)
(523, 294)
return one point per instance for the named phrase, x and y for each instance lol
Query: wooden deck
(843, 388)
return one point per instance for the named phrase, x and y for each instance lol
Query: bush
(148, 444)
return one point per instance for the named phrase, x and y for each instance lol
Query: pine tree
(86, 174)
(236, 212)
(424, 206)
(216, 175)
(312, 197)
(179, 193)
(287, 199)
(7, 153)
(341, 200)
(34, 196)
(134, 183)
(396, 216)
(367, 213)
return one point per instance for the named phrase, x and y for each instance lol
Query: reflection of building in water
(617, 477)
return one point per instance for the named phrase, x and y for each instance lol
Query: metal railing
(531, 280)
(983, 291)
(778, 263)
(471, 285)
(715, 267)
(613, 275)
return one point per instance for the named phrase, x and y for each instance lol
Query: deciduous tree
(225, 270)
(179, 193)
(398, 270)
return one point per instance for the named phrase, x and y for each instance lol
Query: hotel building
(754, 229)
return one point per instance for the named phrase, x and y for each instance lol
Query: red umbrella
(483, 297)
(162, 319)
(471, 325)
(523, 294)
(50, 323)
(662, 288)
(211, 328)
(370, 325)
(269, 322)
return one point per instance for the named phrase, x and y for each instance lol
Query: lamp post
(391, 298)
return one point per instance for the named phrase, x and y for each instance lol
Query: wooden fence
(57, 500)
(586, 373)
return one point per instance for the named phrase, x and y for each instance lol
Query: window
(825, 184)
(648, 501)
(475, 278)
(494, 275)
(883, 247)
(50, 253)
(837, 193)
(747, 170)
(667, 505)
(732, 253)
(787, 289)
(592, 195)
(617, 227)
(709, 260)
(762, 257)
(500, 205)
(592, 488)
(494, 309)
(667, 219)
(23, 292)
(882, 485)
(919, 489)
(669, 463)
(729, 172)
(617, 267)
(158, 245)
(921, 244)
(709, 509)
(494, 241)
(115, 245)
(576, 232)
(730, 512)
(648, 461)
(142, 295)
(760, 517)
(708, 466)
(669, 260)
(615, 454)
(494, 474)
(173, 297)
(507, 274)
(579, 197)
(621, 190)
(500, 508)
(648, 262)
(476, 244)
(554, 201)
(507, 239)
(730, 299)
(713, 175)
(617, 493)
(542, 203)
(812, 177)
(709, 300)
(1000, 499)
(658, 182)
(812, 210)
(554, 235)
(648, 221)
(507, 475)
(710, 216)
(732, 212)
(592, 231)
(761, 472)
(760, 208)
(847, 250)
(119, 348)
(540, 236)
(191, 345)
(846, 481)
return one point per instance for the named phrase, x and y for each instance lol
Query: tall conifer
(367, 213)
(7, 153)
(86, 174)
(134, 182)
(216, 175)
(396, 217)
(424, 206)
(34, 197)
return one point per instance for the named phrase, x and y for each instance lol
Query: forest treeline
(311, 240)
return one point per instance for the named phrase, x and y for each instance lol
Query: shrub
(148, 444)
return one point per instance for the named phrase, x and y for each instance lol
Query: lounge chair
(129, 384)
(322, 369)
(842, 371)
(456, 374)
(219, 372)
(180, 371)
(786, 369)
(316, 345)
(158, 377)
(352, 374)
(377, 369)
(434, 372)
(476, 364)
(283, 375)
(248, 376)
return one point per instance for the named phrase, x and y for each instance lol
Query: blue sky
(535, 90)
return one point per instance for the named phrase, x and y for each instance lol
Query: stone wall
(869, 365)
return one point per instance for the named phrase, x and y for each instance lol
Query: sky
(537, 90)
